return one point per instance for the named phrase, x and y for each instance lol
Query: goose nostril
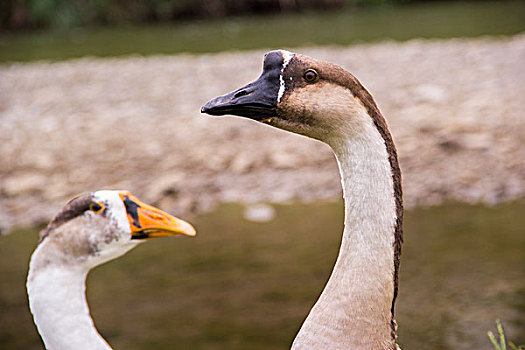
(158, 217)
(241, 93)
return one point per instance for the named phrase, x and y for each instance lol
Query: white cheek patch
(116, 212)
(287, 56)
(115, 240)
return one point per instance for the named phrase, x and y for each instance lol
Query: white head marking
(118, 211)
(287, 56)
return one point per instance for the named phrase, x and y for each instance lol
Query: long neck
(58, 302)
(354, 310)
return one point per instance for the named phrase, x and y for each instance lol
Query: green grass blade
(493, 340)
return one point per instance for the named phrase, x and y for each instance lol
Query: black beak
(257, 100)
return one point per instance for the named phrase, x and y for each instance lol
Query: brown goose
(323, 101)
(90, 230)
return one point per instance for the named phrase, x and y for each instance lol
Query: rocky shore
(455, 109)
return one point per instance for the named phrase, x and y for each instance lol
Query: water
(246, 285)
(434, 20)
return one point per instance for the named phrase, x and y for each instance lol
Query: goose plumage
(90, 230)
(325, 102)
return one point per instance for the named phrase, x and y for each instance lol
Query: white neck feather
(58, 302)
(354, 309)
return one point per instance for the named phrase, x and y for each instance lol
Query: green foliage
(58, 13)
(502, 344)
(72, 13)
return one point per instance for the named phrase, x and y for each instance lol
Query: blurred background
(106, 94)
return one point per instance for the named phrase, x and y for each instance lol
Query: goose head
(100, 226)
(302, 95)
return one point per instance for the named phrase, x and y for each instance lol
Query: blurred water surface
(246, 285)
(427, 20)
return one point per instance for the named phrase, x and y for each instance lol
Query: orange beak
(147, 221)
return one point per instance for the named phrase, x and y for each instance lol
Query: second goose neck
(58, 303)
(354, 310)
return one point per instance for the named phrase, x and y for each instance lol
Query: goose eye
(310, 76)
(96, 207)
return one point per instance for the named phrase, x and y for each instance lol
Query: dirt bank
(455, 108)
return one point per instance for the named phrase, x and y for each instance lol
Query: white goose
(90, 230)
(325, 102)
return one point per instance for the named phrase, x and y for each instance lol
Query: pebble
(259, 213)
